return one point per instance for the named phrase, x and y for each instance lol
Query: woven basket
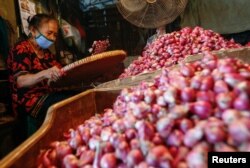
(87, 69)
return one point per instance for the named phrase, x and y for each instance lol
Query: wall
(7, 11)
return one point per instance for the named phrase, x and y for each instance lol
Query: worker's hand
(53, 74)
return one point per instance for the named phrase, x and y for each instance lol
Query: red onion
(47, 158)
(129, 120)
(108, 161)
(242, 102)
(80, 150)
(223, 147)
(149, 96)
(242, 87)
(122, 150)
(140, 110)
(244, 147)
(224, 100)
(158, 155)
(145, 130)
(188, 95)
(106, 133)
(197, 158)
(215, 132)
(157, 140)
(70, 161)
(143, 165)
(119, 126)
(85, 134)
(207, 96)
(63, 149)
(87, 158)
(164, 126)
(135, 144)
(220, 87)
(187, 70)
(178, 111)
(230, 115)
(134, 157)
(239, 131)
(232, 79)
(116, 139)
(180, 155)
(107, 147)
(75, 141)
(175, 138)
(193, 136)
(170, 95)
(94, 142)
(202, 109)
(207, 83)
(196, 82)
(185, 125)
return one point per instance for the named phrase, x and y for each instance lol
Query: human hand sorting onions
(53, 74)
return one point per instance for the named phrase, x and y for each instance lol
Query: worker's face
(49, 30)
(46, 34)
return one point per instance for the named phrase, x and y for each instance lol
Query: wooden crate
(61, 117)
(240, 53)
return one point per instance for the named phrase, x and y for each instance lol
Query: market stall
(186, 96)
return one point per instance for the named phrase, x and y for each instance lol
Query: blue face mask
(43, 42)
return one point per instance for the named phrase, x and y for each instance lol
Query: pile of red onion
(171, 48)
(172, 122)
(248, 44)
(99, 46)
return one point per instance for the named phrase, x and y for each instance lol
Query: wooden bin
(240, 53)
(60, 118)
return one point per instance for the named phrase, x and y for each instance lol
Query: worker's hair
(38, 20)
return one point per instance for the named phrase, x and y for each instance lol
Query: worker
(159, 32)
(31, 68)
